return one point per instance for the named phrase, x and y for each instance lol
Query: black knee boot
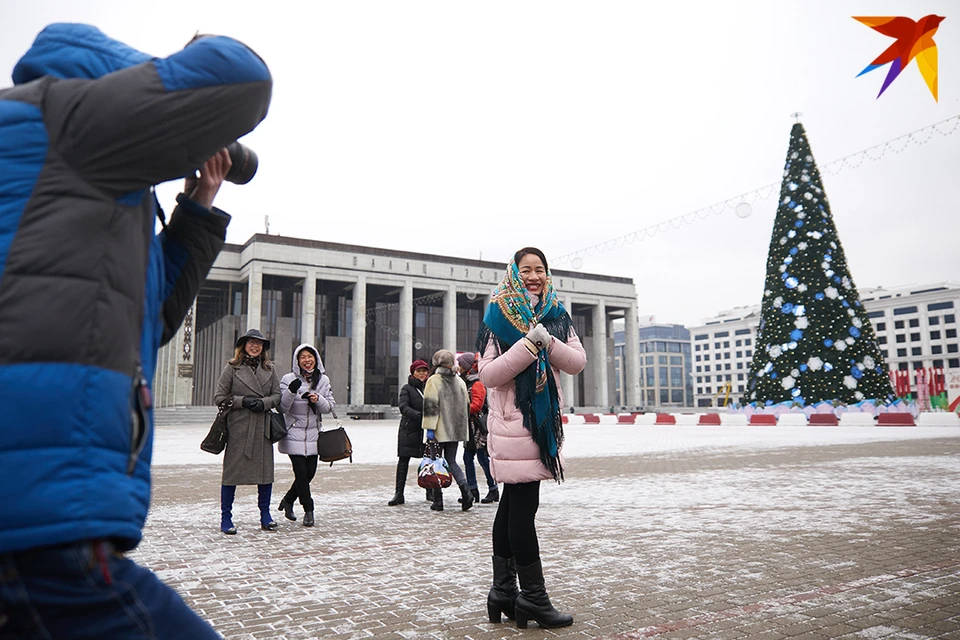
(466, 497)
(503, 594)
(437, 500)
(402, 466)
(533, 602)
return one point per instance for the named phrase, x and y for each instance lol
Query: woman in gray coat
(249, 382)
(304, 394)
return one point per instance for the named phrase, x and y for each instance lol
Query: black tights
(304, 469)
(514, 532)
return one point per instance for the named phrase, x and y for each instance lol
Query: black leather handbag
(334, 444)
(278, 426)
(216, 439)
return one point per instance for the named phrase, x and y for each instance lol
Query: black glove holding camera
(253, 404)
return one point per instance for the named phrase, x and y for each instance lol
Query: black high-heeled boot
(493, 495)
(287, 508)
(402, 466)
(503, 594)
(533, 603)
(466, 497)
(437, 500)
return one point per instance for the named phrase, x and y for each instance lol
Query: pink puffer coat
(514, 456)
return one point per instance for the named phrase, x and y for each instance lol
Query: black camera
(244, 163)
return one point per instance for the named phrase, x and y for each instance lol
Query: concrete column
(406, 331)
(450, 318)
(631, 357)
(358, 342)
(566, 380)
(254, 296)
(308, 321)
(601, 397)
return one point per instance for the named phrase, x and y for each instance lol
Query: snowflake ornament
(850, 382)
(788, 382)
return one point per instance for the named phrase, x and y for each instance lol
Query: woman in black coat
(410, 436)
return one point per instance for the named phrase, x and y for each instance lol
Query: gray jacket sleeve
(158, 120)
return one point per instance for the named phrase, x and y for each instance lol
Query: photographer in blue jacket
(88, 294)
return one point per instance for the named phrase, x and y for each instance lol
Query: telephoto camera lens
(244, 163)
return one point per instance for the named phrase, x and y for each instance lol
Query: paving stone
(672, 539)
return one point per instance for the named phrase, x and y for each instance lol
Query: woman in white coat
(305, 394)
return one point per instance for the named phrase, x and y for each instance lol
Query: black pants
(304, 468)
(514, 532)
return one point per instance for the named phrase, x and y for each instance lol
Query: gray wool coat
(248, 458)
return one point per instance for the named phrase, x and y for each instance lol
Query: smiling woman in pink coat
(526, 339)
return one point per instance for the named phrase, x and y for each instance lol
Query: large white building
(916, 328)
(371, 312)
(665, 374)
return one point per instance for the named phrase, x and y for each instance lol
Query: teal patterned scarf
(508, 317)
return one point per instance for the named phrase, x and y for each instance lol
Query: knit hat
(443, 358)
(418, 364)
(467, 361)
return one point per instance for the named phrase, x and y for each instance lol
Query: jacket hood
(316, 354)
(81, 51)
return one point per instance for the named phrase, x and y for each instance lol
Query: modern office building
(666, 365)
(916, 328)
(371, 312)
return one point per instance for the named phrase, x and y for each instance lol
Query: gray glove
(539, 336)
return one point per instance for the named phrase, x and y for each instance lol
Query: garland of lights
(742, 204)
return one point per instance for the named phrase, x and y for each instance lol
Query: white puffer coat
(303, 420)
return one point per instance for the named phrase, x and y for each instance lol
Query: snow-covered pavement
(667, 532)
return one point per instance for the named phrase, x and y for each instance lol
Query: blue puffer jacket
(88, 290)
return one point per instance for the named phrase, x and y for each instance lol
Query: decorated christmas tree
(815, 342)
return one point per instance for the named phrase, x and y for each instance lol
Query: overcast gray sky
(466, 128)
